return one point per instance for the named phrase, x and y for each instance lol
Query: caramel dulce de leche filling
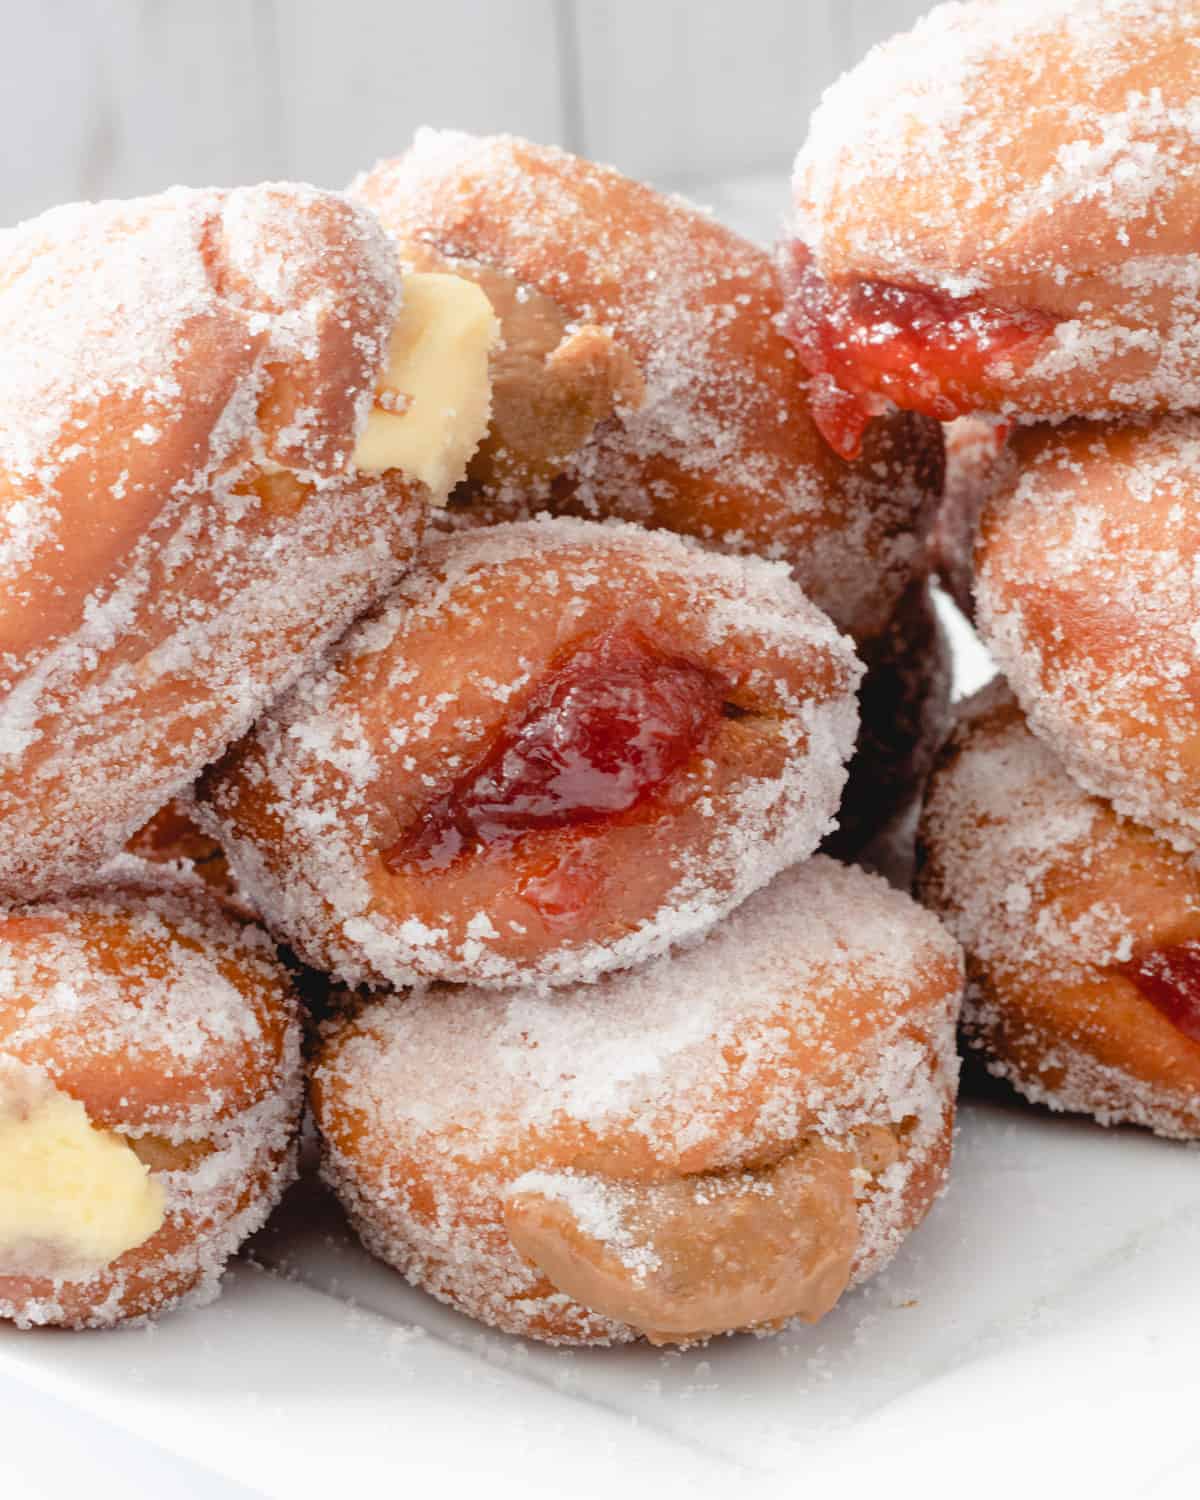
(434, 400)
(554, 379)
(73, 1198)
(688, 1258)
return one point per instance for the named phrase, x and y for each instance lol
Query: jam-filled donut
(1088, 595)
(975, 466)
(726, 1139)
(1081, 929)
(556, 749)
(204, 397)
(1000, 211)
(641, 375)
(150, 1093)
(904, 709)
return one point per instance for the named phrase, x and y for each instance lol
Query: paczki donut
(150, 1093)
(1081, 929)
(556, 749)
(1000, 211)
(204, 397)
(1088, 596)
(723, 1140)
(641, 375)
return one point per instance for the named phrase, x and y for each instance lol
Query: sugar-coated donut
(642, 375)
(185, 382)
(1000, 211)
(1081, 929)
(556, 749)
(150, 1093)
(1088, 595)
(904, 709)
(722, 1140)
(975, 466)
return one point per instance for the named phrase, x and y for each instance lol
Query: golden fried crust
(1087, 596)
(1052, 895)
(175, 1027)
(1043, 156)
(696, 418)
(801, 1118)
(185, 380)
(309, 804)
(1050, 108)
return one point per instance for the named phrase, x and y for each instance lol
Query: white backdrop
(113, 97)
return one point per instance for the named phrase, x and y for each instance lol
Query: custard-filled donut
(1000, 211)
(722, 1140)
(975, 467)
(642, 376)
(189, 424)
(1081, 929)
(150, 1093)
(1088, 595)
(904, 709)
(556, 749)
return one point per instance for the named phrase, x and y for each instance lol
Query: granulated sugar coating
(1088, 597)
(345, 812)
(1013, 168)
(643, 376)
(174, 1025)
(782, 1093)
(1062, 906)
(181, 386)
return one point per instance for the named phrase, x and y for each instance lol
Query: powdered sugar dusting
(1009, 839)
(365, 743)
(722, 445)
(1042, 152)
(1088, 596)
(182, 380)
(145, 977)
(728, 1053)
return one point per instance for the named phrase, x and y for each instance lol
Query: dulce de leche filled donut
(556, 749)
(723, 1140)
(1081, 929)
(150, 1094)
(1000, 211)
(204, 396)
(1088, 596)
(641, 374)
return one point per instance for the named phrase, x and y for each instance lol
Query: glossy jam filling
(1170, 979)
(612, 722)
(922, 349)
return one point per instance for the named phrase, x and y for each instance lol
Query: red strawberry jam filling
(922, 349)
(1170, 979)
(608, 727)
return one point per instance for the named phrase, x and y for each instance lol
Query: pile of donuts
(457, 635)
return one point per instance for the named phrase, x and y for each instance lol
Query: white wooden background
(113, 97)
